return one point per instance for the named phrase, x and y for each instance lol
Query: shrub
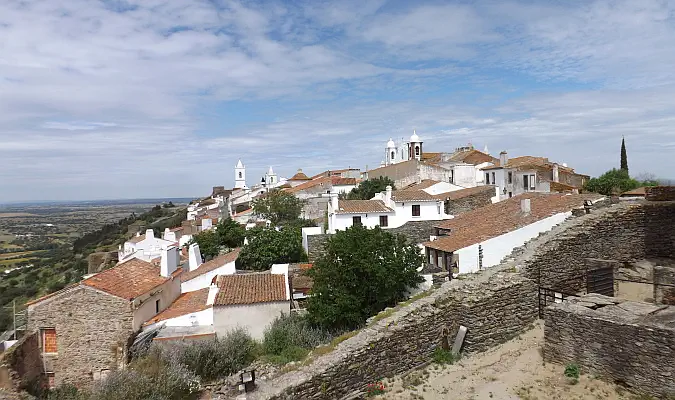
(572, 371)
(216, 358)
(374, 389)
(290, 337)
(66, 392)
(442, 356)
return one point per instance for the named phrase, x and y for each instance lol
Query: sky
(160, 98)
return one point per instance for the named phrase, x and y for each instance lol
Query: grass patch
(572, 371)
(442, 356)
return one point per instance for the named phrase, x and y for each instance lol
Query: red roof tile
(462, 193)
(412, 195)
(250, 289)
(362, 206)
(186, 303)
(505, 216)
(210, 265)
(425, 184)
(299, 176)
(129, 279)
(473, 157)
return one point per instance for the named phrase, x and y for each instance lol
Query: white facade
(403, 151)
(199, 318)
(146, 249)
(145, 307)
(255, 318)
(239, 175)
(495, 249)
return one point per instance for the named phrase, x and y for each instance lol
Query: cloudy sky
(158, 98)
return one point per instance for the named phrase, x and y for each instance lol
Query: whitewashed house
(201, 274)
(481, 238)
(144, 247)
(387, 210)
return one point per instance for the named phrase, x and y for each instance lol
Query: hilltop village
(250, 255)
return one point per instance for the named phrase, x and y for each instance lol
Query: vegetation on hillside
(267, 246)
(367, 189)
(361, 272)
(278, 207)
(228, 234)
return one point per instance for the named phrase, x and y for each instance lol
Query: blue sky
(154, 98)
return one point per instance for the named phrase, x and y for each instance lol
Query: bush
(572, 371)
(442, 356)
(291, 337)
(66, 392)
(216, 358)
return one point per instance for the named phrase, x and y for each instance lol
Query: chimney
(525, 206)
(556, 173)
(138, 234)
(149, 234)
(387, 197)
(503, 159)
(169, 261)
(194, 257)
(213, 292)
(334, 202)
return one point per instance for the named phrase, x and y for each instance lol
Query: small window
(384, 220)
(510, 177)
(494, 181)
(438, 208)
(48, 338)
(417, 150)
(356, 220)
(487, 178)
(416, 210)
(510, 194)
(526, 184)
(51, 380)
(157, 306)
(393, 155)
(240, 175)
(533, 182)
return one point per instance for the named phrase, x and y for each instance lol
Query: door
(601, 281)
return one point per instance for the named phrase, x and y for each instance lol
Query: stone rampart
(21, 364)
(620, 341)
(660, 193)
(494, 305)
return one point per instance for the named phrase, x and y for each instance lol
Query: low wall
(660, 193)
(468, 203)
(621, 341)
(494, 305)
(21, 364)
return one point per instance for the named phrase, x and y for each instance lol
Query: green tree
(612, 182)
(367, 189)
(267, 246)
(361, 272)
(624, 156)
(227, 234)
(278, 206)
(209, 245)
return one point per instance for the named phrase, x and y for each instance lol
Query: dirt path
(513, 370)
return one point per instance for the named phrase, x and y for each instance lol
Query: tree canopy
(278, 206)
(367, 189)
(267, 246)
(624, 156)
(361, 272)
(227, 234)
(616, 181)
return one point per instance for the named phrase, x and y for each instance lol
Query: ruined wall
(664, 285)
(21, 364)
(495, 306)
(468, 203)
(660, 193)
(623, 232)
(92, 329)
(631, 343)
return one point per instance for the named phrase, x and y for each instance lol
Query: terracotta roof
(250, 289)
(505, 216)
(474, 157)
(333, 172)
(129, 279)
(245, 212)
(210, 265)
(431, 157)
(179, 228)
(207, 202)
(324, 180)
(641, 191)
(137, 239)
(362, 206)
(462, 193)
(412, 195)
(529, 161)
(299, 176)
(337, 181)
(425, 184)
(186, 303)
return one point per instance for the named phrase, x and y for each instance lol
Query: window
(526, 184)
(494, 181)
(452, 176)
(487, 178)
(417, 150)
(510, 194)
(510, 178)
(438, 208)
(48, 338)
(356, 220)
(51, 380)
(240, 175)
(393, 155)
(384, 220)
(157, 306)
(532, 183)
(416, 210)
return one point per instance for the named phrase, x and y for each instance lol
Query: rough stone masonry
(631, 343)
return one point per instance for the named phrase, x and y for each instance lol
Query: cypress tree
(624, 157)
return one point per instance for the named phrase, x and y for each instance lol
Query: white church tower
(390, 153)
(239, 176)
(415, 147)
(271, 178)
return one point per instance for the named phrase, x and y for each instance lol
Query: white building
(387, 210)
(201, 274)
(250, 301)
(239, 176)
(144, 247)
(403, 151)
(481, 238)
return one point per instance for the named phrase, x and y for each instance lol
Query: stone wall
(468, 203)
(660, 193)
(92, 330)
(664, 285)
(21, 364)
(494, 305)
(97, 262)
(623, 232)
(620, 341)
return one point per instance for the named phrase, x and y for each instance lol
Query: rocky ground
(514, 370)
